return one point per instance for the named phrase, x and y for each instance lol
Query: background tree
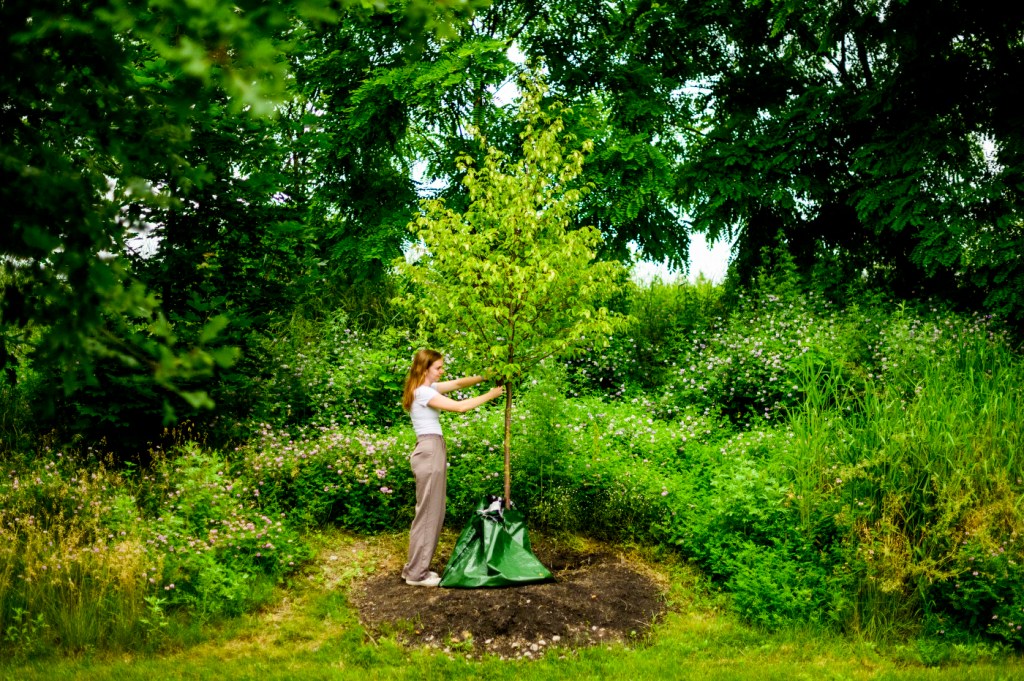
(510, 281)
(120, 116)
(622, 104)
(95, 115)
(618, 69)
(875, 137)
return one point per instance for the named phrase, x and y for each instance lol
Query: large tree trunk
(508, 445)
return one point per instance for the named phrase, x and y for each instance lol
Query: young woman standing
(424, 399)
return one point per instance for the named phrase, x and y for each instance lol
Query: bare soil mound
(596, 597)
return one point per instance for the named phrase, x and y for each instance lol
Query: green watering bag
(493, 550)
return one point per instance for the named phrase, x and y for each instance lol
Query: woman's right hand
(496, 391)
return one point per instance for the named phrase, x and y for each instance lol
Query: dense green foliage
(129, 127)
(203, 202)
(874, 136)
(97, 120)
(853, 467)
(273, 155)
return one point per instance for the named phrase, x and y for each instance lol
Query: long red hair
(421, 361)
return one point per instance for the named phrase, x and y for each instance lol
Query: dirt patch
(597, 596)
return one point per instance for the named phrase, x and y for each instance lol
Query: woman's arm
(457, 384)
(448, 404)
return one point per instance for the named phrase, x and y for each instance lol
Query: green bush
(985, 592)
(319, 373)
(219, 539)
(665, 318)
(85, 551)
(602, 468)
(775, 586)
(356, 478)
(885, 432)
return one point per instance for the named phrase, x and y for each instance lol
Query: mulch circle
(595, 598)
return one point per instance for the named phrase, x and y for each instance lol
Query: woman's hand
(496, 391)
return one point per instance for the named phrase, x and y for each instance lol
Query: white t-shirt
(425, 420)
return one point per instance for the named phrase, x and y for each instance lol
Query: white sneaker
(432, 579)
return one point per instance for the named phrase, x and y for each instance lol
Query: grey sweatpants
(429, 462)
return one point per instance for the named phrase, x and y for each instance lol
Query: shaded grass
(310, 631)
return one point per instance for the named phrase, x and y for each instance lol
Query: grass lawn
(309, 631)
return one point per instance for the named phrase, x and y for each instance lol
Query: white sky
(711, 261)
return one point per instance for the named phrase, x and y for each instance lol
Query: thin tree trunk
(508, 445)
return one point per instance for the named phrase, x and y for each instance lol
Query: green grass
(310, 632)
(924, 465)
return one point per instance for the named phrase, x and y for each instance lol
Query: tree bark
(508, 445)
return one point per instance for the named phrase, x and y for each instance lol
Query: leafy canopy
(510, 282)
(122, 116)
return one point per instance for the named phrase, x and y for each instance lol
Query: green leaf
(198, 399)
(212, 328)
(225, 357)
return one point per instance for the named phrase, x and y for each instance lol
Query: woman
(424, 399)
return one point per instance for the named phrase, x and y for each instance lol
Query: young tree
(512, 281)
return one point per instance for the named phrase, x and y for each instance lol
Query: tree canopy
(273, 154)
(177, 121)
(875, 137)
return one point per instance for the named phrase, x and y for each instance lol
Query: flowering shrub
(83, 550)
(353, 477)
(332, 373)
(985, 591)
(912, 344)
(611, 371)
(751, 364)
(215, 533)
(664, 317)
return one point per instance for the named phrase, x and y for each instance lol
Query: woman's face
(434, 371)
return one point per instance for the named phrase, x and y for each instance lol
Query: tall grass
(922, 460)
(92, 558)
(66, 576)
